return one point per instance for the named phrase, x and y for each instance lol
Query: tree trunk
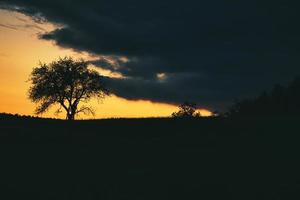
(72, 112)
(70, 116)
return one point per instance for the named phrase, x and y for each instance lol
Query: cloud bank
(209, 52)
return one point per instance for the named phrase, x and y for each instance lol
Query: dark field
(208, 158)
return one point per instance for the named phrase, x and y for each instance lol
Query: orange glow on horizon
(21, 50)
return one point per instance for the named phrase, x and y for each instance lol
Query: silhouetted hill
(205, 158)
(21, 117)
(281, 101)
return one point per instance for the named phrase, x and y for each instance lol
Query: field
(206, 158)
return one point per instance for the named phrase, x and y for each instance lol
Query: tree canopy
(187, 109)
(280, 101)
(65, 82)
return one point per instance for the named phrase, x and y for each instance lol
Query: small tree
(187, 109)
(65, 82)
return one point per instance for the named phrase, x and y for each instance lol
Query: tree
(65, 82)
(280, 101)
(187, 109)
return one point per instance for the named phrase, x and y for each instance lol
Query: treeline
(280, 101)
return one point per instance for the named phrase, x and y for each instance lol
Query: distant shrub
(186, 110)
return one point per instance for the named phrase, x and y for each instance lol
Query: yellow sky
(21, 50)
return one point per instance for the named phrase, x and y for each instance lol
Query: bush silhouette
(187, 110)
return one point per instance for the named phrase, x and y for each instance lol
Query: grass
(160, 158)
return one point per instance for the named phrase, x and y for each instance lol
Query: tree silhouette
(65, 82)
(187, 109)
(280, 101)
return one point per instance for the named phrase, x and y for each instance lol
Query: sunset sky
(21, 50)
(156, 54)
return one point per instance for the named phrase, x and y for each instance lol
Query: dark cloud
(211, 52)
(22, 26)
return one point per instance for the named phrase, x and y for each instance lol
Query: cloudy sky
(208, 52)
